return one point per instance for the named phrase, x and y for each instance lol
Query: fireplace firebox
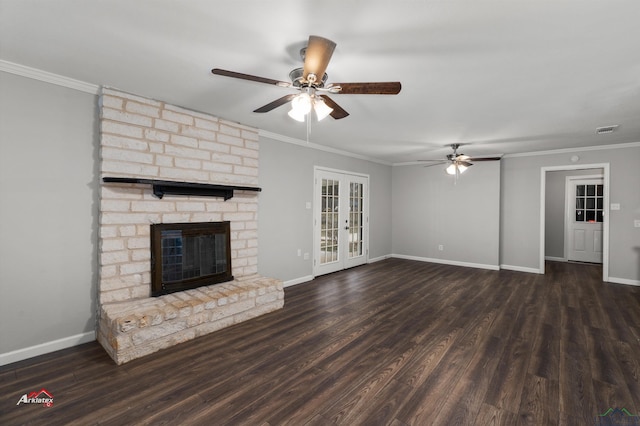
(189, 255)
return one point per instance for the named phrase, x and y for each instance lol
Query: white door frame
(605, 225)
(567, 216)
(316, 218)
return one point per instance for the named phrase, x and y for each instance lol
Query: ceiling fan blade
(275, 104)
(380, 88)
(484, 158)
(434, 164)
(317, 57)
(233, 74)
(337, 112)
(464, 163)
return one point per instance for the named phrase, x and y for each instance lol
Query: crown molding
(412, 163)
(577, 149)
(548, 152)
(300, 142)
(48, 77)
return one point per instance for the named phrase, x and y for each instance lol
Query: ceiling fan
(310, 80)
(458, 163)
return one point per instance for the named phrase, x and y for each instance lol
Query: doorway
(604, 169)
(341, 220)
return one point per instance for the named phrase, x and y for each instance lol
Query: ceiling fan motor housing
(297, 79)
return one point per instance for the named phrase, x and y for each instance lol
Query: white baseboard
(378, 259)
(447, 262)
(45, 348)
(297, 281)
(521, 269)
(555, 259)
(623, 281)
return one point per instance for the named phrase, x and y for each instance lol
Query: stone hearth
(132, 329)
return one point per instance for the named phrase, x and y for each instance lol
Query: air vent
(606, 129)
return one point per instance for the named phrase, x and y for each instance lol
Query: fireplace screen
(189, 255)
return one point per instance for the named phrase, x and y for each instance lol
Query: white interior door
(341, 230)
(585, 210)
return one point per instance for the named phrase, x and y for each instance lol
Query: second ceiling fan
(311, 80)
(458, 163)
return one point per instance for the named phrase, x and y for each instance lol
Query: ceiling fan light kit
(305, 102)
(454, 169)
(316, 57)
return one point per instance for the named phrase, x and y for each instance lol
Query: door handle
(346, 227)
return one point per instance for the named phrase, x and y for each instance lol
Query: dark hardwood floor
(396, 342)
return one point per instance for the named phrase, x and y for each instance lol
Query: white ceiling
(502, 76)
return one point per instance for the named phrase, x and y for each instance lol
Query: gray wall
(286, 225)
(48, 213)
(430, 208)
(520, 208)
(555, 208)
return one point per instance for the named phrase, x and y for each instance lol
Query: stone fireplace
(151, 140)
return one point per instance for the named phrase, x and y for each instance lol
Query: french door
(341, 221)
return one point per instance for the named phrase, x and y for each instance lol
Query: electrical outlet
(440, 247)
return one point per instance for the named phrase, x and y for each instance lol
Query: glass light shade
(302, 103)
(321, 108)
(452, 168)
(297, 115)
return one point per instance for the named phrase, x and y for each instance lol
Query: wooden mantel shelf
(162, 187)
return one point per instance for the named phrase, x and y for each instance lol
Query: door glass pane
(589, 203)
(599, 203)
(329, 221)
(580, 203)
(355, 219)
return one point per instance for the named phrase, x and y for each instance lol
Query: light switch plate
(615, 206)
(636, 223)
